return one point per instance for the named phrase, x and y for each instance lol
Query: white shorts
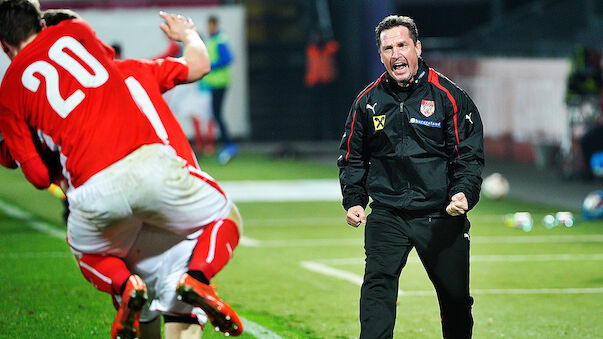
(160, 258)
(153, 185)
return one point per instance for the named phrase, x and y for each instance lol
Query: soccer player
(117, 166)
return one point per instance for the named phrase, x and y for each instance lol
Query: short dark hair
(392, 21)
(213, 19)
(19, 19)
(117, 47)
(54, 16)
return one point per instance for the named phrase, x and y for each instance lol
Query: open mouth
(400, 67)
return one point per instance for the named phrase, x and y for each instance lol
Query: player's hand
(458, 205)
(176, 27)
(62, 183)
(355, 216)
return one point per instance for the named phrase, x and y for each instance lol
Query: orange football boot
(126, 324)
(220, 314)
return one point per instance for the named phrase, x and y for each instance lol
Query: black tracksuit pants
(443, 248)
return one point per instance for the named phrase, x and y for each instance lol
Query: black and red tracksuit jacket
(411, 150)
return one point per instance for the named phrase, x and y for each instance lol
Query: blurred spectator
(321, 74)
(584, 98)
(585, 76)
(218, 81)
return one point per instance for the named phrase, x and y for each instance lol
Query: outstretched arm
(194, 53)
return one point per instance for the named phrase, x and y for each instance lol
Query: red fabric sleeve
(170, 72)
(6, 159)
(36, 173)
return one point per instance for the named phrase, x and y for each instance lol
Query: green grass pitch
(538, 284)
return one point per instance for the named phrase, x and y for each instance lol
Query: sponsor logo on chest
(427, 123)
(379, 122)
(427, 107)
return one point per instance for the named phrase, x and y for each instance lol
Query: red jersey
(6, 159)
(65, 87)
(155, 77)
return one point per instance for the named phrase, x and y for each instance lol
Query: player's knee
(235, 216)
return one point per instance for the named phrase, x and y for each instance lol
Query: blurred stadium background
(532, 67)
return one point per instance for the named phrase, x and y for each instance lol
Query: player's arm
(6, 159)
(465, 146)
(352, 161)
(194, 52)
(19, 141)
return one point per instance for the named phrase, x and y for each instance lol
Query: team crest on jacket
(427, 107)
(379, 121)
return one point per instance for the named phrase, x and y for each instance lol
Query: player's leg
(443, 247)
(187, 201)
(215, 246)
(217, 106)
(182, 327)
(229, 148)
(108, 274)
(133, 299)
(386, 246)
(151, 329)
(214, 249)
(111, 275)
(160, 258)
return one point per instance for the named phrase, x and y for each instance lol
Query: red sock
(198, 134)
(106, 273)
(214, 247)
(209, 148)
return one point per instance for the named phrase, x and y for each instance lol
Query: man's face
(212, 27)
(399, 54)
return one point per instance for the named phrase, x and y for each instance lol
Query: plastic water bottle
(565, 218)
(521, 220)
(550, 221)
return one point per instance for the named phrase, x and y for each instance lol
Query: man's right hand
(355, 216)
(176, 27)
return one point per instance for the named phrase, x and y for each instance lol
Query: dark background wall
(282, 108)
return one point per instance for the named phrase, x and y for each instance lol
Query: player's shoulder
(76, 24)
(440, 80)
(370, 89)
(447, 87)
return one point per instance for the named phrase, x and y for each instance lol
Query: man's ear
(4, 47)
(9, 50)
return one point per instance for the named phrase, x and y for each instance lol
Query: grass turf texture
(44, 295)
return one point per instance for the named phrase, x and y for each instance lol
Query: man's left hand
(458, 205)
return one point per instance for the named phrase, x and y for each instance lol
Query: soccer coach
(413, 142)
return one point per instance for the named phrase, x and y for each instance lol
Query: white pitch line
(251, 327)
(292, 222)
(320, 221)
(257, 330)
(283, 190)
(31, 220)
(538, 238)
(332, 272)
(357, 280)
(474, 240)
(35, 255)
(301, 242)
(413, 258)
